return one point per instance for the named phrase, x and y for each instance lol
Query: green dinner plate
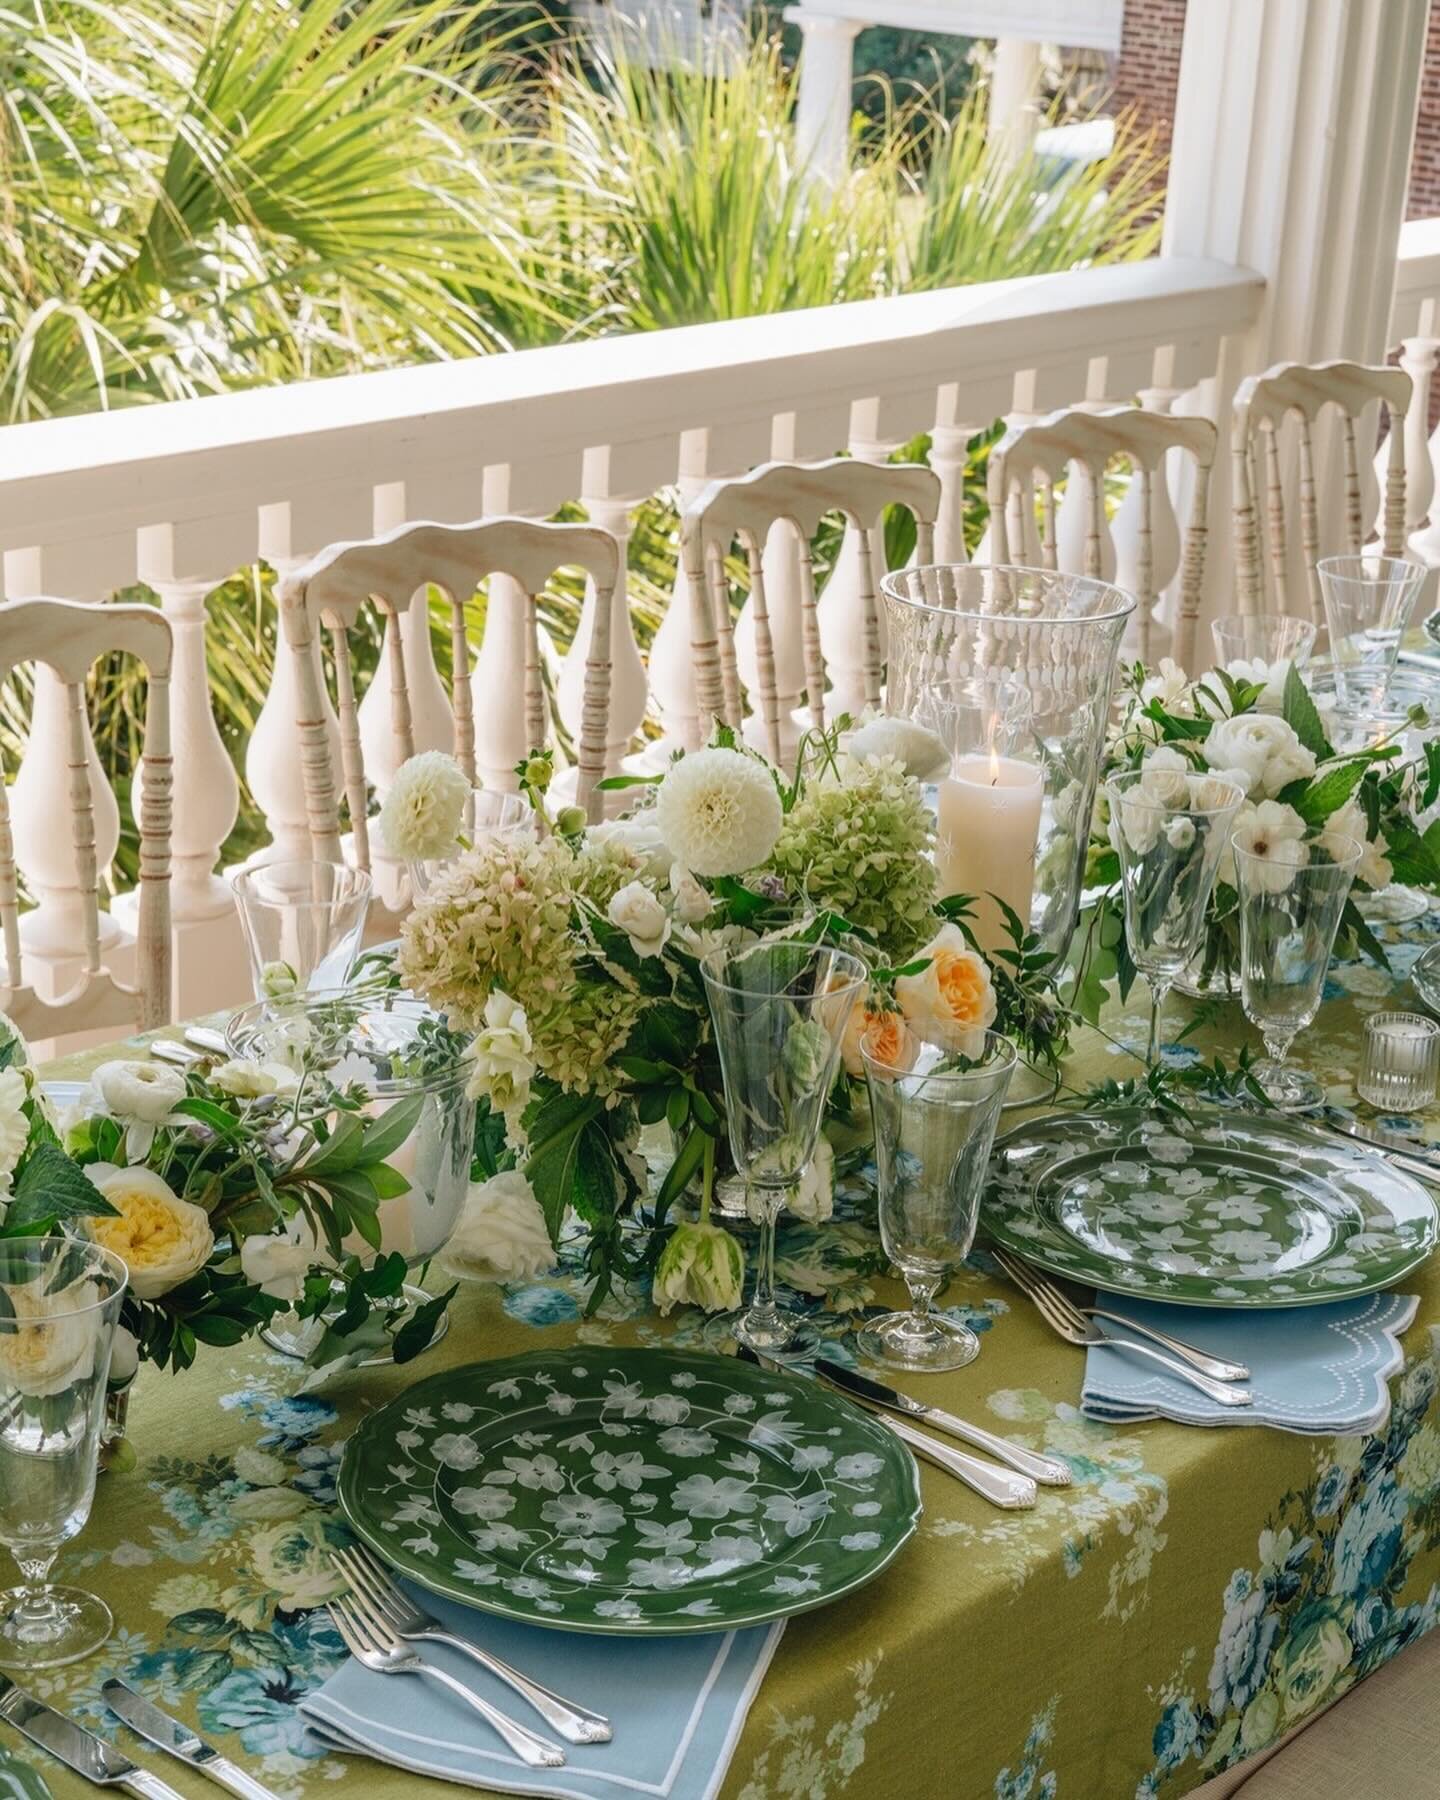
(638, 1492)
(1227, 1209)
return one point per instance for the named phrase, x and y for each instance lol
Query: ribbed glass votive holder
(1399, 1061)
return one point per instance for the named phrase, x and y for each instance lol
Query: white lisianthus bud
(570, 821)
(278, 981)
(124, 1358)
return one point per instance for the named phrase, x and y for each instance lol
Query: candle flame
(994, 768)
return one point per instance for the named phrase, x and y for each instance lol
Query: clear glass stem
(39, 1616)
(923, 1289)
(764, 1314)
(1278, 1045)
(1159, 993)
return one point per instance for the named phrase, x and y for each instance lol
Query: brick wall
(1147, 69)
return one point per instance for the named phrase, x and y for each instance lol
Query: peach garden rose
(951, 1001)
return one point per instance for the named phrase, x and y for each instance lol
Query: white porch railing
(181, 495)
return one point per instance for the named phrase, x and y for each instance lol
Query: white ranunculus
(1270, 678)
(14, 1125)
(1258, 751)
(641, 836)
(501, 1235)
(637, 912)
(124, 1358)
(1273, 836)
(1170, 685)
(49, 1344)
(690, 900)
(920, 750)
(1374, 868)
(424, 809)
(162, 1239)
(246, 1080)
(1165, 776)
(719, 811)
(278, 1263)
(140, 1096)
(503, 1055)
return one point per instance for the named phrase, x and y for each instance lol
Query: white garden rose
(503, 1055)
(719, 811)
(951, 1002)
(245, 1080)
(690, 900)
(501, 1235)
(277, 1263)
(1165, 776)
(51, 1343)
(1273, 836)
(637, 912)
(140, 1096)
(922, 752)
(424, 809)
(162, 1239)
(1259, 752)
(14, 1125)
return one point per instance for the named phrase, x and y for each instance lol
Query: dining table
(1192, 1596)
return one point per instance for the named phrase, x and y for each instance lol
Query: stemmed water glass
(1170, 830)
(60, 1300)
(779, 1010)
(1368, 603)
(1289, 916)
(935, 1116)
(303, 922)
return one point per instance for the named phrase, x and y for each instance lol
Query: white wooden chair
(1038, 455)
(799, 494)
(1262, 404)
(69, 638)
(392, 572)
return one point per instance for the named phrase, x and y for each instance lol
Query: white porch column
(1293, 126)
(1014, 80)
(827, 71)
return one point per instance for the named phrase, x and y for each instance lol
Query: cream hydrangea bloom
(162, 1239)
(719, 812)
(501, 1235)
(424, 809)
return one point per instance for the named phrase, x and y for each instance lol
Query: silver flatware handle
(1047, 1470)
(576, 1724)
(206, 1037)
(1402, 1159)
(1219, 1391)
(167, 1050)
(997, 1486)
(537, 1752)
(227, 1774)
(149, 1786)
(1207, 1365)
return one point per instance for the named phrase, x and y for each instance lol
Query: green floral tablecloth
(1188, 1600)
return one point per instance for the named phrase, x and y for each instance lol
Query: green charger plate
(1227, 1209)
(637, 1492)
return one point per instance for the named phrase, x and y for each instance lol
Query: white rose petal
(51, 1344)
(690, 900)
(278, 1263)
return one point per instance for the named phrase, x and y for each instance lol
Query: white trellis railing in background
(181, 495)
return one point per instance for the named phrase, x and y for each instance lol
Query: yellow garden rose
(52, 1342)
(951, 1002)
(162, 1239)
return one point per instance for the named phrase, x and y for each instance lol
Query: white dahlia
(425, 807)
(719, 811)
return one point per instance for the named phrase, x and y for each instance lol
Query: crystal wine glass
(779, 1010)
(1288, 919)
(934, 1126)
(1170, 830)
(303, 920)
(1368, 603)
(60, 1298)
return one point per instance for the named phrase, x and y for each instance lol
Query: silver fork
(376, 1597)
(1085, 1333)
(1032, 1282)
(386, 1655)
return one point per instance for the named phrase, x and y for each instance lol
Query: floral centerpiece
(574, 956)
(1261, 727)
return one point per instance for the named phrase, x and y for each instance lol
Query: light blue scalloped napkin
(1320, 1369)
(676, 1705)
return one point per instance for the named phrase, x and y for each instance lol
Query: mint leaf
(1329, 792)
(1299, 712)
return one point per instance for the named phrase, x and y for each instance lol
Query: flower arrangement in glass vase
(1263, 728)
(573, 955)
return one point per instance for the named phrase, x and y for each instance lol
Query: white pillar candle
(988, 829)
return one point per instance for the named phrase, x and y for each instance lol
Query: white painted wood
(1291, 150)
(1264, 540)
(1418, 357)
(65, 638)
(1146, 536)
(827, 71)
(391, 573)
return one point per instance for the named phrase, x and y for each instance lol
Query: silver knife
(77, 1748)
(1045, 1469)
(1399, 1150)
(168, 1734)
